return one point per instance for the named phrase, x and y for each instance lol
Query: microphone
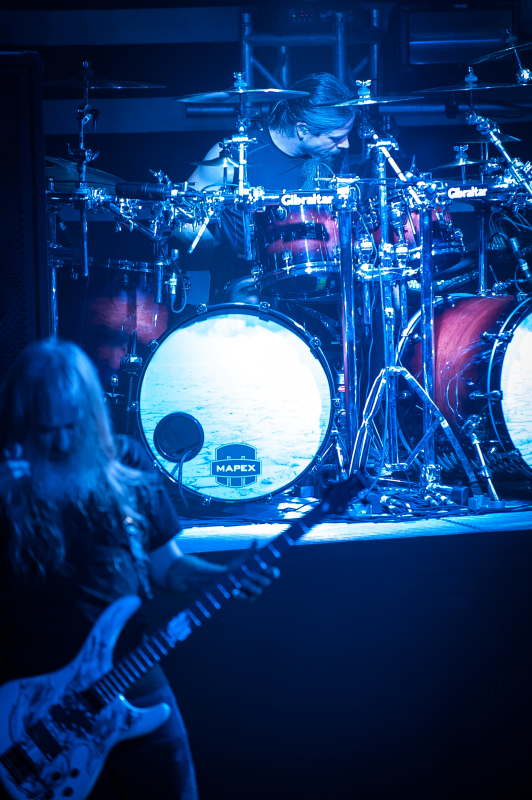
(521, 260)
(142, 191)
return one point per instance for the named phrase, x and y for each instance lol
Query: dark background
(374, 670)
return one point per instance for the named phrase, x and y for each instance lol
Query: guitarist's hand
(255, 581)
(191, 575)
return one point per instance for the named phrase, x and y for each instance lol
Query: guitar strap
(140, 557)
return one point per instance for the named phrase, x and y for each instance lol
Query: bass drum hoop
(494, 369)
(494, 380)
(314, 347)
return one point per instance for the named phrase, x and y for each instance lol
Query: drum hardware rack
(186, 206)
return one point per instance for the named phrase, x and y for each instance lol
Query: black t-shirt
(275, 171)
(44, 627)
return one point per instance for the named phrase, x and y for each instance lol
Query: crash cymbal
(233, 95)
(369, 100)
(81, 82)
(66, 178)
(507, 51)
(458, 162)
(481, 139)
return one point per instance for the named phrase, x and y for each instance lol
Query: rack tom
(298, 251)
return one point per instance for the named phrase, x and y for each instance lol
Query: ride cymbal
(369, 100)
(468, 87)
(81, 82)
(233, 95)
(507, 51)
(479, 138)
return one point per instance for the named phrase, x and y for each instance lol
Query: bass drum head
(516, 382)
(261, 394)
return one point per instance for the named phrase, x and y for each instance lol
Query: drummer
(303, 138)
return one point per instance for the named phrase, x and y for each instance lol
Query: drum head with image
(516, 386)
(260, 393)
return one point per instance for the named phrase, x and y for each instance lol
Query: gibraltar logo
(236, 465)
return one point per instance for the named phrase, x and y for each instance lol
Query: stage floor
(238, 528)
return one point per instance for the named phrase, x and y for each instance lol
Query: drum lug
(153, 344)
(504, 336)
(496, 394)
(264, 306)
(202, 308)
(315, 343)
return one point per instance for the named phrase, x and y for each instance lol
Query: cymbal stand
(240, 141)
(521, 172)
(82, 156)
(347, 274)
(388, 276)
(392, 271)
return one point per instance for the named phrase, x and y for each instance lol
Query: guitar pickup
(41, 736)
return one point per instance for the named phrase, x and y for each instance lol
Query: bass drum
(257, 391)
(483, 376)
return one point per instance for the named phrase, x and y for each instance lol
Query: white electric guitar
(56, 730)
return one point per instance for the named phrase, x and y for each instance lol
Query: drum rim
(325, 268)
(494, 375)
(497, 352)
(257, 311)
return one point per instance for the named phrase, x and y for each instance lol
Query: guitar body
(57, 759)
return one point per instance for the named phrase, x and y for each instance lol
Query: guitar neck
(140, 660)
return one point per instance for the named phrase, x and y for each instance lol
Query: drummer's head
(320, 129)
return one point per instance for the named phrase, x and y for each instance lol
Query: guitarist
(85, 520)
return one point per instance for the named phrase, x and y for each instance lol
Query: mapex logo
(236, 465)
(310, 200)
(455, 193)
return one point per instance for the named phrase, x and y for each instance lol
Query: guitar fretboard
(140, 660)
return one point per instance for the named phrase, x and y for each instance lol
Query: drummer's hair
(323, 88)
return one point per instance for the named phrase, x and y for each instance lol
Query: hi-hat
(220, 161)
(458, 162)
(234, 95)
(82, 81)
(66, 177)
(507, 51)
(479, 138)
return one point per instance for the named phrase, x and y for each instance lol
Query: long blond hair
(45, 375)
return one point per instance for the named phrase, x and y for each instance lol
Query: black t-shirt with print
(44, 627)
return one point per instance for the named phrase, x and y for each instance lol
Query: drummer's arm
(200, 178)
(208, 176)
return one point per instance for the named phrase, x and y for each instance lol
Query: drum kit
(239, 401)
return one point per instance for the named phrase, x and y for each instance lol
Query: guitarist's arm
(174, 571)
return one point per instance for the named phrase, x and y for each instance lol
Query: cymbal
(66, 177)
(221, 161)
(368, 100)
(232, 96)
(507, 51)
(81, 81)
(467, 87)
(479, 138)
(458, 162)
